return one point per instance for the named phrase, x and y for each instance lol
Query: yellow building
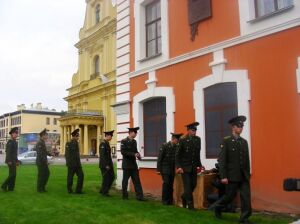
(29, 121)
(93, 89)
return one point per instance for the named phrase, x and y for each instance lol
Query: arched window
(97, 14)
(220, 102)
(154, 125)
(96, 65)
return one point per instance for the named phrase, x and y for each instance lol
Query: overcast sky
(37, 53)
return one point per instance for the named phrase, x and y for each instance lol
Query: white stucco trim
(140, 32)
(298, 76)
(151, 92)
(220, 75)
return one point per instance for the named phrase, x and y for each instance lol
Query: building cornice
(91, 90)
(31, 112)
(86, 82)
(81, 119)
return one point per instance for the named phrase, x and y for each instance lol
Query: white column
(72, 128)
(98, 138)
(68, 133)
(65, 137)
(62, 140)
(81, 134)
(86, 141)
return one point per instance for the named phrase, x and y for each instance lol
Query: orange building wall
(271, 63)
(152, 180)
(275, 115)
(274, 109)
(225, 16)
(137, 85)
(182, 77)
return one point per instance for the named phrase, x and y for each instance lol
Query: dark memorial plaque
(198, 10)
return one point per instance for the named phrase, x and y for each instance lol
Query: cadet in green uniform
(42, 162)
(235, 170)
(129, 165)
(166, 167)
(106, 164)
(11, 160)
(73, 163)
(188, 163)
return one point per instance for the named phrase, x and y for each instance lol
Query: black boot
(183, 202)
(218, 212)
(191, 206)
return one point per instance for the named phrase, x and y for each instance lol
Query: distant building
(30, 122)
(93, 89)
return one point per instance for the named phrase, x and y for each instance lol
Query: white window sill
(149, 58)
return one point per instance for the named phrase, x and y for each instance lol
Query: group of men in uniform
(180, 155)
(12, 161)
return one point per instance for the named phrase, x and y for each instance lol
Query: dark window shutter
(154, 125)
(220, 106)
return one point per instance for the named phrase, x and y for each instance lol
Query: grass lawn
(25, 205)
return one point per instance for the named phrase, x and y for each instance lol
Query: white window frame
(282, 19)
(140, 34)
(152, 92)
(240, 77)
(271, 13)
(220, 75)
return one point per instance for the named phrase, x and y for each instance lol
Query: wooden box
(201, 191)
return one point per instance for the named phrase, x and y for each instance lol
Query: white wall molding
(218, 46)
(122, 105)
(243, 93)
(298, 76)
(122, 108)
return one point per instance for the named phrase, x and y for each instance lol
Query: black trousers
(43, 176)
(9, 183)
(167, 188)
(80, 177)
(108, 177)
(134, 174)
(245, 195)
(189, 184)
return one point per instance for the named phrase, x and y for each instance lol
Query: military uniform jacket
(234, 159)
(72, 154)
(188, 154)
(41, 153)
(128, 150)
(105, 155)
(11, 151)
(166, 158)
